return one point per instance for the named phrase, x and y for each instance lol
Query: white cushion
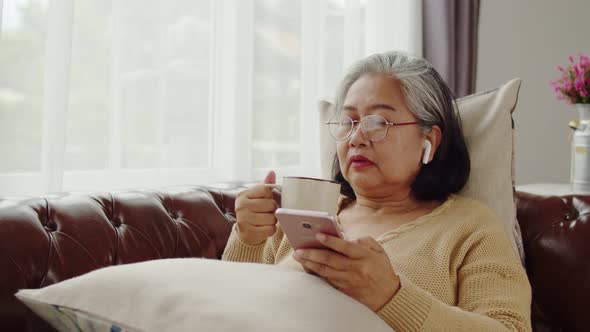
(199, 295)
(487, 126)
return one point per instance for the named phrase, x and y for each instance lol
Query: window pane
(276, 92)
(89, 103)
(140, 85)
(343, 40)
(22, 49)
(333, 45)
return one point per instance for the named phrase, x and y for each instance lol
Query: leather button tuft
(50, 226)
(571, 215)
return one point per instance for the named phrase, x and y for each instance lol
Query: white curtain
(105, 95)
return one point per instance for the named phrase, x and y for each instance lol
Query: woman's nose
(357, 136)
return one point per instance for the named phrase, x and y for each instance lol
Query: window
(102, 95)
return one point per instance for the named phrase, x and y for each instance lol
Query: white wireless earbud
(427, 148)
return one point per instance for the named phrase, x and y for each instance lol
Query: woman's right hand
(255, 209)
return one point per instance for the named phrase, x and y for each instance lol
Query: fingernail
(298, 253)
(321, 237)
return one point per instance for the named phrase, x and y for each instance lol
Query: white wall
(527, 39)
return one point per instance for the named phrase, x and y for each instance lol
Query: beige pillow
(487, 125)
(199, 295)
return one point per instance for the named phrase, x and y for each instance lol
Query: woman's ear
(431, 144)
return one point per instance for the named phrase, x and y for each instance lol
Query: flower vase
(580, 163)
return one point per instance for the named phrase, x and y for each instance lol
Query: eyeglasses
(374, 127)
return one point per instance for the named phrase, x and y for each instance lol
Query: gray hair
(423, 87)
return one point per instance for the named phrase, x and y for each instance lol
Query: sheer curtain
(104, 95)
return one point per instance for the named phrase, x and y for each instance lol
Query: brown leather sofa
(46, 240)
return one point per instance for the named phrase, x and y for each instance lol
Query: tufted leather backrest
(47, 240)
(556, 237)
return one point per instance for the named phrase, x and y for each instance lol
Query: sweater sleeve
(238, 251)
(493, 294)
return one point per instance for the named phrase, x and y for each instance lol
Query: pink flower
(573, 82)
(579, 84)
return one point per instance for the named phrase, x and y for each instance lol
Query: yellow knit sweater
(457, 269)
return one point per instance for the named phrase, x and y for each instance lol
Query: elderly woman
(416, 253)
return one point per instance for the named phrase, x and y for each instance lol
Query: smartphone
(301, 227)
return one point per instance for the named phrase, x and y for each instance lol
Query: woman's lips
(360, 162)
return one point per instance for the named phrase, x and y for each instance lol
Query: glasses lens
(374, 126)
(340, 127)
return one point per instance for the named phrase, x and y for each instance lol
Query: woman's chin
(361, 180)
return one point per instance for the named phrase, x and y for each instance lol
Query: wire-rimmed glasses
(374, 127)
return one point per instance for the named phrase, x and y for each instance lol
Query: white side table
(549, 189)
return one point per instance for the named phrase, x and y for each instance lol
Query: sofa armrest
(556, 238)
(50, 239)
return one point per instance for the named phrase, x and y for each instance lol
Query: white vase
(580, 170)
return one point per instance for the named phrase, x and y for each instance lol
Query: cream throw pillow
(199, 295)
(487, 126)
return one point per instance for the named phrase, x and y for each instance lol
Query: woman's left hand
(360, 268)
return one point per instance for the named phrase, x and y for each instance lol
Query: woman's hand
(360, 269)
(255, 209)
